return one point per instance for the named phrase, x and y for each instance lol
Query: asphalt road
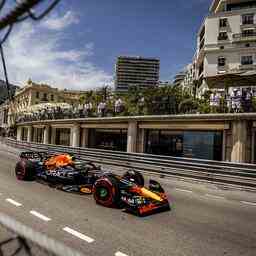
(205, 219)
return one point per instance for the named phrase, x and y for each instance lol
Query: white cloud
(36, 53)
(59, 23)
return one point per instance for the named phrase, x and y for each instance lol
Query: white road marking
(184, 190)
(215, 197)
(120, 254)
(78, 234)
(40, 216)
(248, 203)
(11, 201)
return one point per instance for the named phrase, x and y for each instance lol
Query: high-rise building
(136, 71)
(226, 45)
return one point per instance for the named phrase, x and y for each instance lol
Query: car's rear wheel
(106, 192)
(25, 170)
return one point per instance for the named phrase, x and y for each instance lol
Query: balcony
(247, 67)
(241, 37)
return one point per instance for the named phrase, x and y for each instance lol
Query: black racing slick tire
(106, 192)
(135, 177)
(25, 170)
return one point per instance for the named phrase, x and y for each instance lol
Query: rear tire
(25, 170)
(106, 192)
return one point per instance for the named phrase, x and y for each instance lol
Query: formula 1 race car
(64, 172)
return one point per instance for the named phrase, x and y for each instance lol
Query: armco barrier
(212, 171)
(28, 241)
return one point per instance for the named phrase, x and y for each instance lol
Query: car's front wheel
(106, 192)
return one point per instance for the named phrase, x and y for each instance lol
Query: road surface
(205, 219)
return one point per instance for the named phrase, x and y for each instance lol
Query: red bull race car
(64, 172)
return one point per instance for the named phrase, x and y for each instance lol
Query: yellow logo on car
(86, 190)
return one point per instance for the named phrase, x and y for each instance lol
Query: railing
(244, 37)
(237, 174)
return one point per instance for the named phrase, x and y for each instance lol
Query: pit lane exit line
(40, 216)
(215, 197)
(184, 190)
(120, 254)
(13, 202)
(78, 234)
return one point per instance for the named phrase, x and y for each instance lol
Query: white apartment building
(185, 79)
(226, 46)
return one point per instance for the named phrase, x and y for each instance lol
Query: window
(247, 19)
(223, 23)
(201, 44)
(45, 97)
(52, 97)
(201, 69)
(223, 36)
(221, 62)
(246, 60)
(37, 95)
(248, 32)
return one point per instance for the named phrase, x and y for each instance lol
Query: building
(33, 94)
(165, 83)
(226, 46)
(4, 110)
(136, 71)
(185, 79)
(228, 137)
(179, 78)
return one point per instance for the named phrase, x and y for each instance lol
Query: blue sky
(77, 45)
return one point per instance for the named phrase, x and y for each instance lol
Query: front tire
(106, 192)
(25, 170)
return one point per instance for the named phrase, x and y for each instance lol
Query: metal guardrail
(239, 174)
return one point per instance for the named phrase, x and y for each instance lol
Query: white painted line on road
(78, 234)
(120, 254)
(248, 203)
(11, 201)
(215, 197)
(184, 190)
(40, 216)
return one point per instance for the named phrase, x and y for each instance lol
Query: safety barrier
(22, 240)
(237, 174)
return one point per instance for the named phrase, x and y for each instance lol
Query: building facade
(186, 78)
(226, 46)
(136, 71)
(227, 137)
(34, 94)
(4, 111)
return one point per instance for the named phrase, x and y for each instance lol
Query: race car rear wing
(34, 155)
